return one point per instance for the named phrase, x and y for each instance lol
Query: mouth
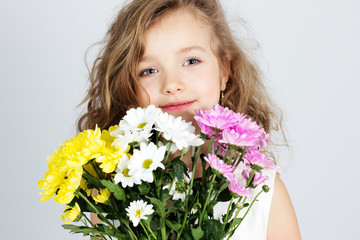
(176, 106)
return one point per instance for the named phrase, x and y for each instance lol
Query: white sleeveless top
(254, 226)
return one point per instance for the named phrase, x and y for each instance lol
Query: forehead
(177, 29)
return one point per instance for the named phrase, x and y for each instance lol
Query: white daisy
(136, 125)
(122, 173)
(139, 118)
(124, 138)
(179, 189)
(172, 148)
(145, 161)
(177, 130)
(138, 210)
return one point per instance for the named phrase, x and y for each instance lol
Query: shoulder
(282, 222)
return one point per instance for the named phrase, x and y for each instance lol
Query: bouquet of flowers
(129, 177)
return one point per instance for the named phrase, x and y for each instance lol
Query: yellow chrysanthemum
(110, 158)
(53, 177)
(50, 184)
(65, 165)
(67, 189)
(71, 214)
(105, 135)
(84, 186)
(90, 169)
(103, 196)
(82, 148)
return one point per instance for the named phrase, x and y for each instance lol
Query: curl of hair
(113, 78)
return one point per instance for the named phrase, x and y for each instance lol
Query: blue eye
(148, 72)
(191, 61)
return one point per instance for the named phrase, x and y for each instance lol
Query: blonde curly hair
(113, 77)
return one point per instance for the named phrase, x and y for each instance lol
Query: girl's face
(179, 70)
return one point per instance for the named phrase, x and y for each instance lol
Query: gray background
(309, 52)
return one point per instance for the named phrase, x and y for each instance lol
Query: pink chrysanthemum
(258, 178)
(236, 188)
(258, 161)
(263, 139)
(245, 133)
(240, 139)
(220, 166)
(218, 118)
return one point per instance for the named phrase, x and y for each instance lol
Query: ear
(224, 74)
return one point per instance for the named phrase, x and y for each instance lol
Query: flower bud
(239, 206)
(265, 188)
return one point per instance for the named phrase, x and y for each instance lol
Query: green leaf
(165, 195)
(80, 229)
(224, 196)
(179, 204)
(171, 210)
(173, 225)
(159, 206)
(197, 233)
(144, 189)
(118, 192)
(237, 221)
(115, 233)
(101, 229)
(92, 180)
(223, 187)
(179, 168)
(213, 229)
(187, 236)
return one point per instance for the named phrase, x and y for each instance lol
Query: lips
(177, 106)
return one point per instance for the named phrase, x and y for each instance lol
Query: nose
(172, 84)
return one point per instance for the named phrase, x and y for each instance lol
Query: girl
(179, 55)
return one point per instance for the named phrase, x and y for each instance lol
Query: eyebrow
(188, 49)
(180, 51)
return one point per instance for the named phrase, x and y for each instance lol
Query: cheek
(143, 97)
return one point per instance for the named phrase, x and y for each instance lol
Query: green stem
(163, 229)
(250, 178)
(217, 150)
(212, 141)
(182, 154)
(152, 233)
(227, 213)
(189, 191)
(97, 170)
(168, 152)
(226, 154)
(231, 155)
(232, 224)
(248, 209)
(145, 229)
(207, 199)
(96, 210)
(158, 188)
(157, 138)
(241, 157)
(93, 225)
(133, 236)
(193, 170)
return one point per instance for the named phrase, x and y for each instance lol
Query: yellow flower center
(126, 172)
(142, 125)
(147, 163)
(138, 212)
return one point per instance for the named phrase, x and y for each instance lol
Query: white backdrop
(309, 51)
